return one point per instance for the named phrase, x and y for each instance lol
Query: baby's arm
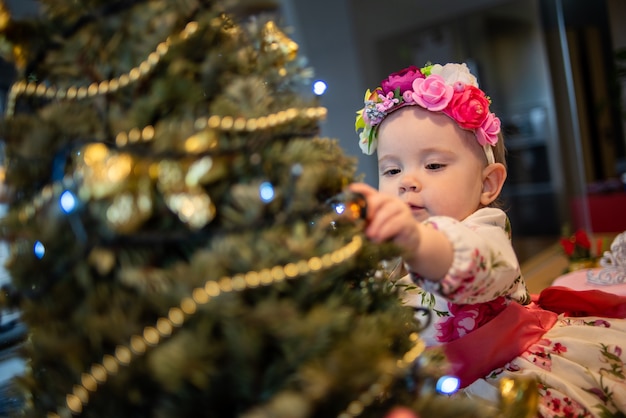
(464, 262)
(425, 250)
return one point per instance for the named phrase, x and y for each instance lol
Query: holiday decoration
(577, 248)
(180, 241)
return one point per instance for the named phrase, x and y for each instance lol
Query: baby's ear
(494, 176)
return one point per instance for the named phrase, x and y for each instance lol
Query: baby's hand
(389, 219)
(425, 250)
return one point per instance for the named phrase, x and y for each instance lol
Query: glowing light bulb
(340, 208)
(319, 87)
(39, 250)
(448, 385)
(67, 201)
(266, 191)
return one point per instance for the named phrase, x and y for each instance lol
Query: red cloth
(517, 327)
(571, 302)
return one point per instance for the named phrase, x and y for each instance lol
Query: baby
(441, 169)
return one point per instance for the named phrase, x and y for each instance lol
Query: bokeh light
(39, 250)
(319, 87)
(447, 385)
(67, 201)
(266, 191)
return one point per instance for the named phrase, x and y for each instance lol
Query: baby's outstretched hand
(425, 250)
(389, 219)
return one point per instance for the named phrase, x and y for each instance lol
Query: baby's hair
(499, 153)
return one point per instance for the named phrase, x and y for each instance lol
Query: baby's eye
(391, 171)
(435, 166)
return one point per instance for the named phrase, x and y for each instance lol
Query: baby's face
(430, 163)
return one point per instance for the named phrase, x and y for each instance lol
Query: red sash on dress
(497, 342)
(517, 327)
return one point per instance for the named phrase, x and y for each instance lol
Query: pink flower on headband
(432, 93)
(388, 101)
(402, 79)
(489, 130)
(469, 107)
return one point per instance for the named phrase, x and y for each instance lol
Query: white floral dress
(579, 361)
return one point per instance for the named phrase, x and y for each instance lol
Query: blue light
(340, 208)
(266, 190)
(448, 385)
(39, 250)
(67, 201)
(319, 87)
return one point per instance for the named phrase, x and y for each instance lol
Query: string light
(340, 208)
(266, 191)
(39, 249)
(67, 201)
(448, 385)
(319, 87)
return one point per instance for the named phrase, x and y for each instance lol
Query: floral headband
(449, 88)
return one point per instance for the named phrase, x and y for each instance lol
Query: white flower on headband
(452, 73)
(450, 89)
(368, 146)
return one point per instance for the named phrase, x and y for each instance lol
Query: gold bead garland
(195, 144)
(164, 327)
(95, 89)
(223, 123)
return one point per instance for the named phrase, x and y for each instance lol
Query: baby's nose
(410, 183)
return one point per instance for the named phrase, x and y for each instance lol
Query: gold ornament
(275, 40)
(5, 16)
(171, 176)
(128, 211)
(202, 141)
(104, 172)
(179, 183)
(198, 170)
(519, 398)
(102, 259)
(193, 207)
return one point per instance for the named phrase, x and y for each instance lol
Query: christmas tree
(181, 245)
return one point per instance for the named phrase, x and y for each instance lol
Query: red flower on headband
(469, 107)
(402, 79)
